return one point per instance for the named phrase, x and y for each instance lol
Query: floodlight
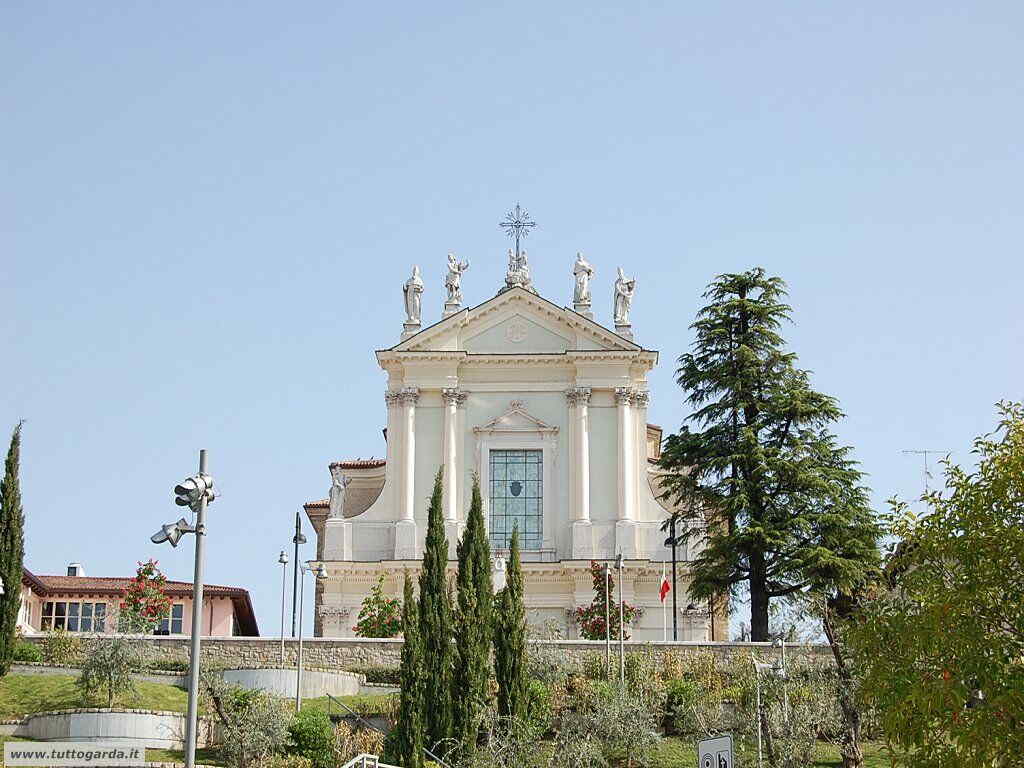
(171, 532)
(190, 492)
(282, 558)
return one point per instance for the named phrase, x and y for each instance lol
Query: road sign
(715, 753)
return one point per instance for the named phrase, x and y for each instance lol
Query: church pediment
(516, 419)
(516, 322)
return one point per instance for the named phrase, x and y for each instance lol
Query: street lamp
(297, 539)
(780, 643)
(195, 493)
(321, 573)
(607, 623)
(283, 560)
(774, 669)
(622, 642)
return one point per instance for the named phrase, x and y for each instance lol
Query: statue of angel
(624, 290)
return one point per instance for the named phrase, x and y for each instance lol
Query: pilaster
(582, 534)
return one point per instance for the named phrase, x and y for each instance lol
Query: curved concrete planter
(139, 727)
(281, 682)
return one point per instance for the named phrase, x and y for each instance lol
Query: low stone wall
(338, 653)
(133, 727)
(281, 682)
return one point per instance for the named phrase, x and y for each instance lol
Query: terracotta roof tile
(358, 463)
(322, 504)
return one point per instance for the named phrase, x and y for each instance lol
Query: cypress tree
(404, 743)
(510, 639)
(12, 550)
(436, 625)
(475, 626)
(785, 505)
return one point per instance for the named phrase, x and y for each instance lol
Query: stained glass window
(517, 498)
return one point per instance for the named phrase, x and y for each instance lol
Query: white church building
(548, 409)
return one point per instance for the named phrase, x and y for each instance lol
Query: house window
(172, 624)
(517, 497)
(73, 616)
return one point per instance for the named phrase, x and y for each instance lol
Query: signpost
(715, 753)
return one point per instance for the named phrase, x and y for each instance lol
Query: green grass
(363, 703)
(22, 695)
(203, 755)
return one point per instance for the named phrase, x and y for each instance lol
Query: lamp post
(671, 541)
(283, 560)
(607, 623)
(297, 539)
(195, 493)
(319, 572)
(759, 667)
(622, 641)
(780, 643)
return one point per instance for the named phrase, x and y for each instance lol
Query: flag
(665, 587)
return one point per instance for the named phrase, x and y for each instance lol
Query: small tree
(436, 628)
(108, 668)
(940, 642)
(510, 639)
(144, 602)
(380, 616)
(404, 743)
(591, 619)
(254, 724)
(476, 613)
(12, 550)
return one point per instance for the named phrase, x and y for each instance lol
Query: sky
(208, 210)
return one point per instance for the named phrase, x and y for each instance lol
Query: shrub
(350, 741)
(312, 736)
(538, 705)
(379, 616)
(26, 651)
(283, 761)
(108, 669)
(378, 673)
(168, 665)
(62, 648)
(254, 725)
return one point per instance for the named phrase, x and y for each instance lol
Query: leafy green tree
(12, 550)
(783, 502)
(108, 667)
(940, 643)
(404, 743)
(510, 639)
(474, 593)
(379, 616)
(436, 625)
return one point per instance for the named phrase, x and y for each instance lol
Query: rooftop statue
(339, 482)
(583, 272)
(413, 291)
(453, 281)
(624, 290)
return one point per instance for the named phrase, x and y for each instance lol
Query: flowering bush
(144, 604)
(379, 616)
(591, 619)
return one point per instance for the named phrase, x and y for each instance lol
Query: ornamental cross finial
(517, 224)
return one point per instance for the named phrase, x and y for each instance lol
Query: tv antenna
(924, 454)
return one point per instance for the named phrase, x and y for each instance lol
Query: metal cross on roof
(517, 224)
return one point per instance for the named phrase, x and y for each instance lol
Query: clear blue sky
(207, 211)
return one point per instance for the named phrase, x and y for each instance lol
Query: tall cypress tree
(510, 638)
(404, 743)
(12, 550)
(436, 625)
(785, 505)
(474, 593)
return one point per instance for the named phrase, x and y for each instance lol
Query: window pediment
(516, 420)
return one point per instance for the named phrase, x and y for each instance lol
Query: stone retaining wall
(335, 653)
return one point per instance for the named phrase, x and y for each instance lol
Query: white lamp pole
(622, 641)
(320, 572)
(607, 623)
(283, 560)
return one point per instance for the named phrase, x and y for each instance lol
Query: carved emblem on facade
(516, 330)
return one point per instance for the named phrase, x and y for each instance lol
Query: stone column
(579, 409)
(640, 400)
(625, 526)
(405, 528)
(392, 477)
(454, 399)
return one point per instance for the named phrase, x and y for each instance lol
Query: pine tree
(404, 743)
(436, 625)
(785, 507)
(510, 639)
(12, 550)
(475, 626)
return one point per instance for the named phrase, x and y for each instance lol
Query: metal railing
(360, 719)
(367, 761)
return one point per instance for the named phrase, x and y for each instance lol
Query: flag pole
(664, 606)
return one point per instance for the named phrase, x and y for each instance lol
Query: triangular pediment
(516, 322)
(516, 419)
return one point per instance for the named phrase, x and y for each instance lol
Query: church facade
(546, 407)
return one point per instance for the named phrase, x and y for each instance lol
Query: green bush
(312, 737)
(62, 649)
(680, 696)
(538, 705)
(169, 665)
(26, 651)
(379, 674)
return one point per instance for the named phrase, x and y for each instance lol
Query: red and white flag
(665, 586)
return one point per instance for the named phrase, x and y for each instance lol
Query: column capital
(392, 398)
(625, 395)
(641, 398)
(409, 395)
(578, 396)
(454, 397)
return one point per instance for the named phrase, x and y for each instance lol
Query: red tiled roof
(358, 463)
(322, 504)
(46, 586)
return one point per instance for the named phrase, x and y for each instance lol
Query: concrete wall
(334, 653)
(137, 727)
(281, 682)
